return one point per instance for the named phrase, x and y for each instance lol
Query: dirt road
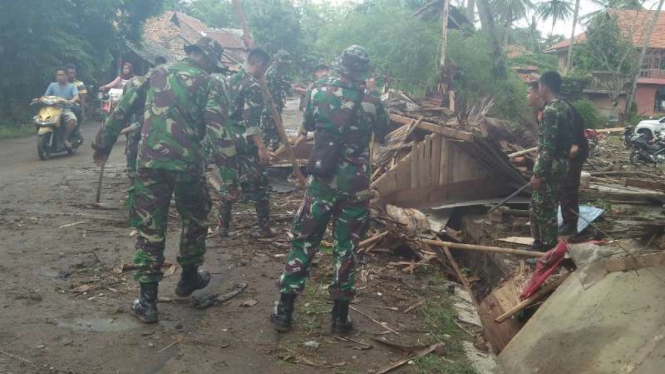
(65, 308)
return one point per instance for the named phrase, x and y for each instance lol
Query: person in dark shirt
(570, 185)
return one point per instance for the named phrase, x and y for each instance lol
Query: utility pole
(444, 35)
(569, 63)
(645, 45)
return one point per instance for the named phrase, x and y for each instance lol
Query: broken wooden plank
(434, 128)
(482, 248)
(400, 363)
(639, 183)
(522, 240)
(523, 152)
(535, 297)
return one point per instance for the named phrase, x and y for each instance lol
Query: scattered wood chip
(414, 306)
(249, 303)
(82, 288)
(72, 224)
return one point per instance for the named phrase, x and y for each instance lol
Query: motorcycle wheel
(636, 158)
(43, 148)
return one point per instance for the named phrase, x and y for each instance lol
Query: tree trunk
(552, 31)
(487, 24)
(569, 63)
(471, 10)
(444, 35)
(629, 102)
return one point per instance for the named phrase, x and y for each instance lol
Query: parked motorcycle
(647, 152)
(51, 128)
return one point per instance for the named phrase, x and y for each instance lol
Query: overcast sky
(562, 27)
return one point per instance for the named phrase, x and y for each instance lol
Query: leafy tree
(606, 5)
(511, 11)
(38, 38)
(557, 10)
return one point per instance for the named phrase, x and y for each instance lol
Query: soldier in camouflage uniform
(247, 103)
(182, 105)
(279, 85)
(337, 108)
(554, 142)
(133, 131)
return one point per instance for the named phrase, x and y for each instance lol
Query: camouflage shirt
(331, 106)
(279, 85)
(554, 139)
(247, 103)
(182, 105)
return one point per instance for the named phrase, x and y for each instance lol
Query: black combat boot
(224, 221)
(145, 307)
(341, 322)
(282, 316)
(191, 280)
(537, 246)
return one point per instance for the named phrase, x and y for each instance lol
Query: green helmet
(354, 62)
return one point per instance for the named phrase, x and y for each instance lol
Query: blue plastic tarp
(588, 214)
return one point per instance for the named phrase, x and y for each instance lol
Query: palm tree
(557, 10)
(606, 5)
(511, 11)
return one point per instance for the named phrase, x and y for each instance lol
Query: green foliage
(606, 49)
(590, 113)
(541, 60)
(431, 364)
(408, 49)
(12, 131)
(475, 79)
(557, 10)
(42, 35)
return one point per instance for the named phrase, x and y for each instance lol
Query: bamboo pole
(522, 152)
(247, 37)
(482, 248)
(535, 297)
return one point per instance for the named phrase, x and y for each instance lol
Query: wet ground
(64, 301)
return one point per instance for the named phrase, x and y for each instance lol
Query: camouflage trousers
(269, 132)
(152, 198)
(254, 183)
(350, 217)
(569, 195)
(543, 211)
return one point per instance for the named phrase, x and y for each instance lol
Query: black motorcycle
(628, 133)
(645, 152)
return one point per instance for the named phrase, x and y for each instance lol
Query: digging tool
(510, 197)
(247, 37)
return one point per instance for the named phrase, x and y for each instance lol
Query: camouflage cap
(354, 62)
(211, 49)
(283, 56)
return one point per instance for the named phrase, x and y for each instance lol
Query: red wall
(645, 97)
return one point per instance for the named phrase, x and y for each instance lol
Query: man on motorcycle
(63, 89)
(79, 108)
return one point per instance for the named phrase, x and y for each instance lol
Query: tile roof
(173, 30)
(633, 23)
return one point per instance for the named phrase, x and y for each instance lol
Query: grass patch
(436, 365)
(439, 318)
(13, 131)
(312, 305)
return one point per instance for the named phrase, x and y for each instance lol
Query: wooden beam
(634, 262)
(523, 152)
(482, 248)
(639, 183)
(434, 128)
(535, 297)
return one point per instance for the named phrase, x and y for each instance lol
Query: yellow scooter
(51, 129)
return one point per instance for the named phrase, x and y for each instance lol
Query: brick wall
(645, 97)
